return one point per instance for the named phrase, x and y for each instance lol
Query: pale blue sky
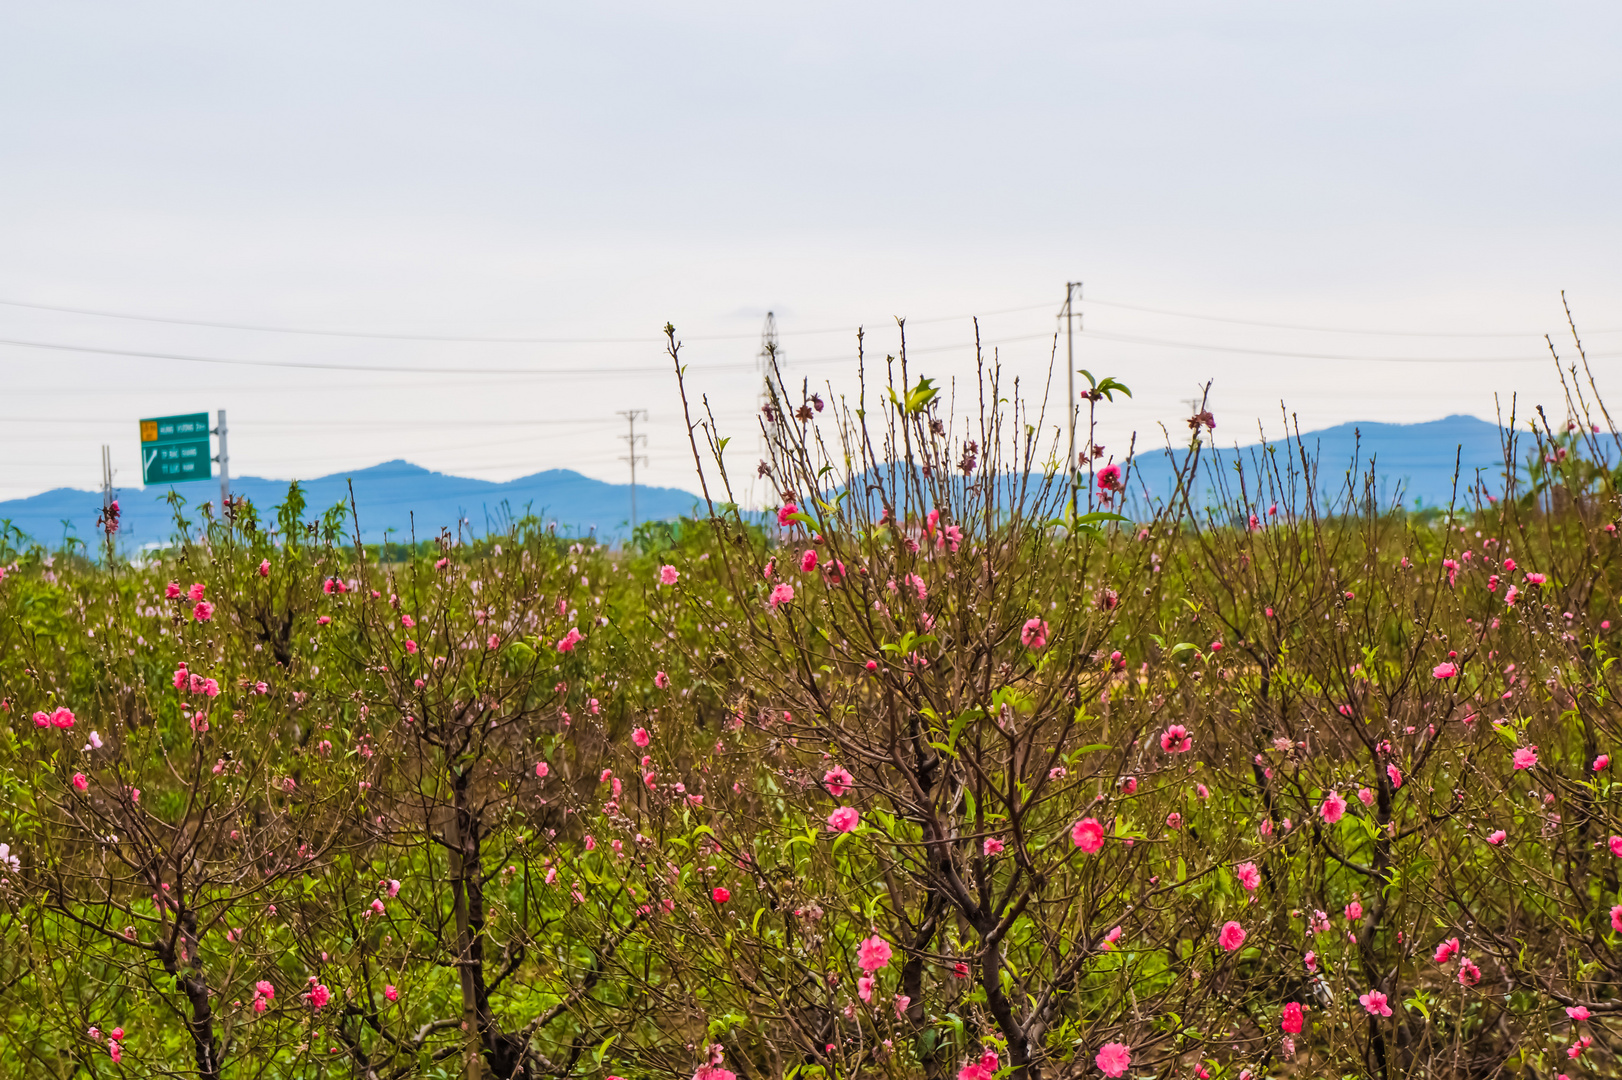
(594, 170)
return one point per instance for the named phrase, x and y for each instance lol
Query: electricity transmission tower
(630, 444)
(769, 351)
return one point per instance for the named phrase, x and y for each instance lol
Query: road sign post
(175, 449)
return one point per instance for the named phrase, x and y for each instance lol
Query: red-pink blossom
(1292, 1019)
(1333, 808)
(1375, 1003)
(668, 575)
(781, 594)
(838, 780)
(872, 954)
(720, 895)
(1248, 875)
(844, 819)
(640, 737)
(568, 641)
(808, 561)
(203, 612)
(1113, 1059)
(1088, 835)
(1445, 671)
(1447, 950)
(1496, 837)
(1231, 936)
(1035, 634)
(1526, 757)
(1175, 740)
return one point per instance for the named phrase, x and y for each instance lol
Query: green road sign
(175, 449)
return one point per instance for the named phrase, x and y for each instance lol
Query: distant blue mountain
(393, 499)
(1413, 460)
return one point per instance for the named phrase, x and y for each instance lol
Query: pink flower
(1108, 944)
(264, 568)
(1231, 936)
(1616, 918)
(1088, 835)
(668, 575)
(992, 846)
(1616, 846)
(901, 1002)
(864, 987)
(1445, 671)
(1601, 761)
(541, 769)
(1248, 875)
(844, 819)
(1469, 974)
(319, 995)
(1535, 579)
(1174, 820)
(1394, 774)
(781, 594)
(1447, 950)
(264, 987)
(172, 590)
(62, 717)
(720, 895)
(1175, 740)
(411, 647)
(391, 993)
(1109, 479)
(784, 512)
(661, 680)
(1333, 808)
(808, 561)
(1354, 911)
(1035, 634)
(1114, 1058)
(568, 641)
(196, 591)
(873, 953)
(1496, 837)
(1291, 1022)
(1578, 1013)
(984, 1069)
(203, 612)
(80, 782)
(1526, 757)
(1365, 796)
(838, 781)
(641, 737)
(1375, 1003)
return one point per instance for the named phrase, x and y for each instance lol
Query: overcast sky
(591, 171)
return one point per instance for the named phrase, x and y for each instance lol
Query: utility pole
(225, 465)
(630, 443)
(1071, 290)
(765, 360)
(106, 478)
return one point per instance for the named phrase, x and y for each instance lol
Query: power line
(1297, 355)
(1333, 329)
(394, 369)
(468, 339)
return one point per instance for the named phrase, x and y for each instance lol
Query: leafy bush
(966, 761)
